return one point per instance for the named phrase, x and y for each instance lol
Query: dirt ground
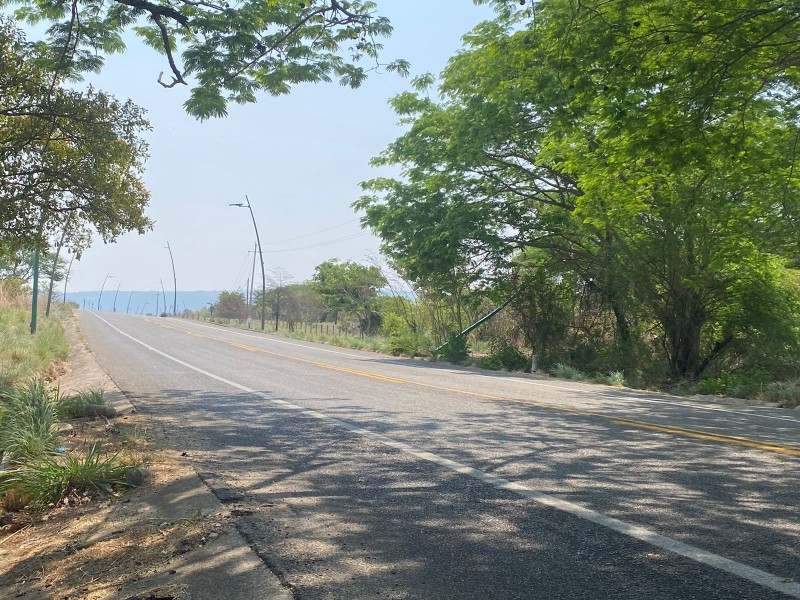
(99, 547)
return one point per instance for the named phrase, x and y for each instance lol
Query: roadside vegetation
(377, 311)
(42, 462)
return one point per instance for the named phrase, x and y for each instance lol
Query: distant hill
(142, 302)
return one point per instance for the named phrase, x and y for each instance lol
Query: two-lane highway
(360, 475)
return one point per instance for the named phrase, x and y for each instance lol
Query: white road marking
(763, 578)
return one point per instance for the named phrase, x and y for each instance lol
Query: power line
(300, 237)
(320, 244)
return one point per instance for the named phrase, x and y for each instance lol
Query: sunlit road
(357, 475)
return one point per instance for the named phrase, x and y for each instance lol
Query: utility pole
(102, 287)
(174, 283)
(115, 298)
(261, 254)
(66, 281)
(166, 310)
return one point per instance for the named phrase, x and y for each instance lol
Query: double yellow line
(692, 433)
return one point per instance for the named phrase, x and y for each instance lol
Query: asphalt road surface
(356, 475)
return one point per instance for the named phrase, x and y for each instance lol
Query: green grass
(49, 479)
(22, 355)
(786, 393)
(26, 428)
(563, 371)
(74, 407)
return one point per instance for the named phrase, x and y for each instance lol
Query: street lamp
(174, 282)
(261, 255)
(115, 298)
(102, 287)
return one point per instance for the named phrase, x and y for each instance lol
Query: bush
(563, 371)
(507, 358)
(739, 385)
(28, 419)
(49, 479)
(615, 378)
(409, 343)
(74, 407)
(456, 350)
(786, 393)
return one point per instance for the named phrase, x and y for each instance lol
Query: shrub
(28, 419)
(786, 393)
(456, 350)
(563, 371)
(615, 378)
(409, 343)
(74, 407)
(49, 479)
(508, 358)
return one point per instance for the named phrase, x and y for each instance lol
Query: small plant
(74, 407)
(508, 358)
(786, 393)
(28, 419)
(49, 479)
(615, 378)
(456, 350)
(563, 371)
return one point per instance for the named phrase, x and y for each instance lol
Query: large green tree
(672, 200)
(224, 51)
(349, 287)
(70, 161)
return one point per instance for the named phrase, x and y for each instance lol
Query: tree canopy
(645, 149)
(69, 160)
(224, 51)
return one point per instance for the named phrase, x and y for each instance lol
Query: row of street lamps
(175, 279)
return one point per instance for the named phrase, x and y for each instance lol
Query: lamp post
(102, 287)
(128, 308)
(174, 282)
(164, 295)
(261, 255)
(115, 298)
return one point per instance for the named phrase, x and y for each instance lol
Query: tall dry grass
(22, 355)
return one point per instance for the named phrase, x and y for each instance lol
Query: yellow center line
(693, 433)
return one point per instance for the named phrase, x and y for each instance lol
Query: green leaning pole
(35, 299)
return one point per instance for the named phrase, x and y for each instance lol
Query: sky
(298, 158)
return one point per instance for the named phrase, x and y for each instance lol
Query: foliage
(787, 393)
(349, 287)
(48, 479)
(70, 161)
(28, 419)
(618, 180)
(402, 339)
(456, 349)
(23, 356)
(506, 358)
(231, 305)
(73, 407)
(614, 378)
(226, 52)
(563, 371)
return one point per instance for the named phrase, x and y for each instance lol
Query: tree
(227, 52)
(349, 287)
(667, 198)
(231, 305)
(70, 162)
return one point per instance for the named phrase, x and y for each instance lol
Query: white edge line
(763, 578)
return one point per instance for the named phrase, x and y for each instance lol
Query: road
(356, 475)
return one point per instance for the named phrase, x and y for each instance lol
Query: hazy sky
(299, 158)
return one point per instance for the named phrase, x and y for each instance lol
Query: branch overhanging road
(370, 475)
